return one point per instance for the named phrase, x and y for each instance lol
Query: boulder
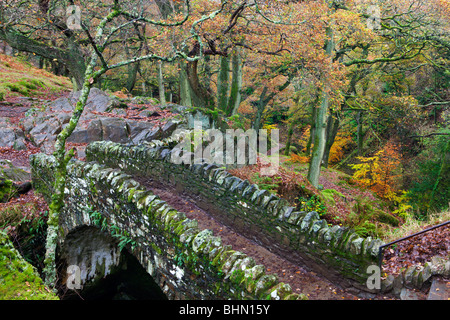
(11, 172)
(115, 130)
(44, 126)
(98, 101)
(12, 137)
(147, 135)
(7, 137)
(45, 132)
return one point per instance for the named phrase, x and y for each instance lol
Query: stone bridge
(112, 226)
(112, 223)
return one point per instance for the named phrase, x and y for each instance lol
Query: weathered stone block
(201, 240)
(263, 284)
(308, 220)
(249, 191)
(280, 291)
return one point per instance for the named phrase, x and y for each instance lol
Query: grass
(413, 225)
(20, 78)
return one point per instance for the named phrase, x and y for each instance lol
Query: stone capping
(233, 269)
(345, 242)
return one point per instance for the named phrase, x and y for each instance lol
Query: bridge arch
(93, 266)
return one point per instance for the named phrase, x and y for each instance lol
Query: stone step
(411, 294)
(440, 289)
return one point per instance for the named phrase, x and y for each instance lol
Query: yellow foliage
(380, 172)
(269, 128)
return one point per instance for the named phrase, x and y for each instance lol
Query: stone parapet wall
(301, 237)
(186, 262)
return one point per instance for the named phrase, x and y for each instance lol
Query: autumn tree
(381, 172)
(404, 36)
(117, 17)
(40, 27)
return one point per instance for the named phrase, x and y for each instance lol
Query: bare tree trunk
(311, 130)
(287, 150)
(236, 85)
(162, 93)
(332, 130)
(223, 83)
(260, 109)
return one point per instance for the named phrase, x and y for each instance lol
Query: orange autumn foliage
(295, 158)
(341, 144)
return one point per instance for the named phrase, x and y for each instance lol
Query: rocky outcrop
(13, 181)
(11, 136)
(94, 125)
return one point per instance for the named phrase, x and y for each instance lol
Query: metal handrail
(381, 248)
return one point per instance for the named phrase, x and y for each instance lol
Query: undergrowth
(20, 78)
(342, 202)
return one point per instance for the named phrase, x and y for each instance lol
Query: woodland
(358, 89)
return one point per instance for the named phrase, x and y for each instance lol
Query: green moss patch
(18, 279)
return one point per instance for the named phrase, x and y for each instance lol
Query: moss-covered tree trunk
(62, 159)
(359, 132)
(200, 95)
(91, 75)
(162, 92)
(320, 124)
(185, 91)
(72, 57)
(442, 179)
(223, 83)
(319, 141)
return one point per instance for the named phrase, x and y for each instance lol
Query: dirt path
(298, 277)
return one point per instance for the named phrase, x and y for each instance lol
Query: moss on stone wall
(19, 280)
